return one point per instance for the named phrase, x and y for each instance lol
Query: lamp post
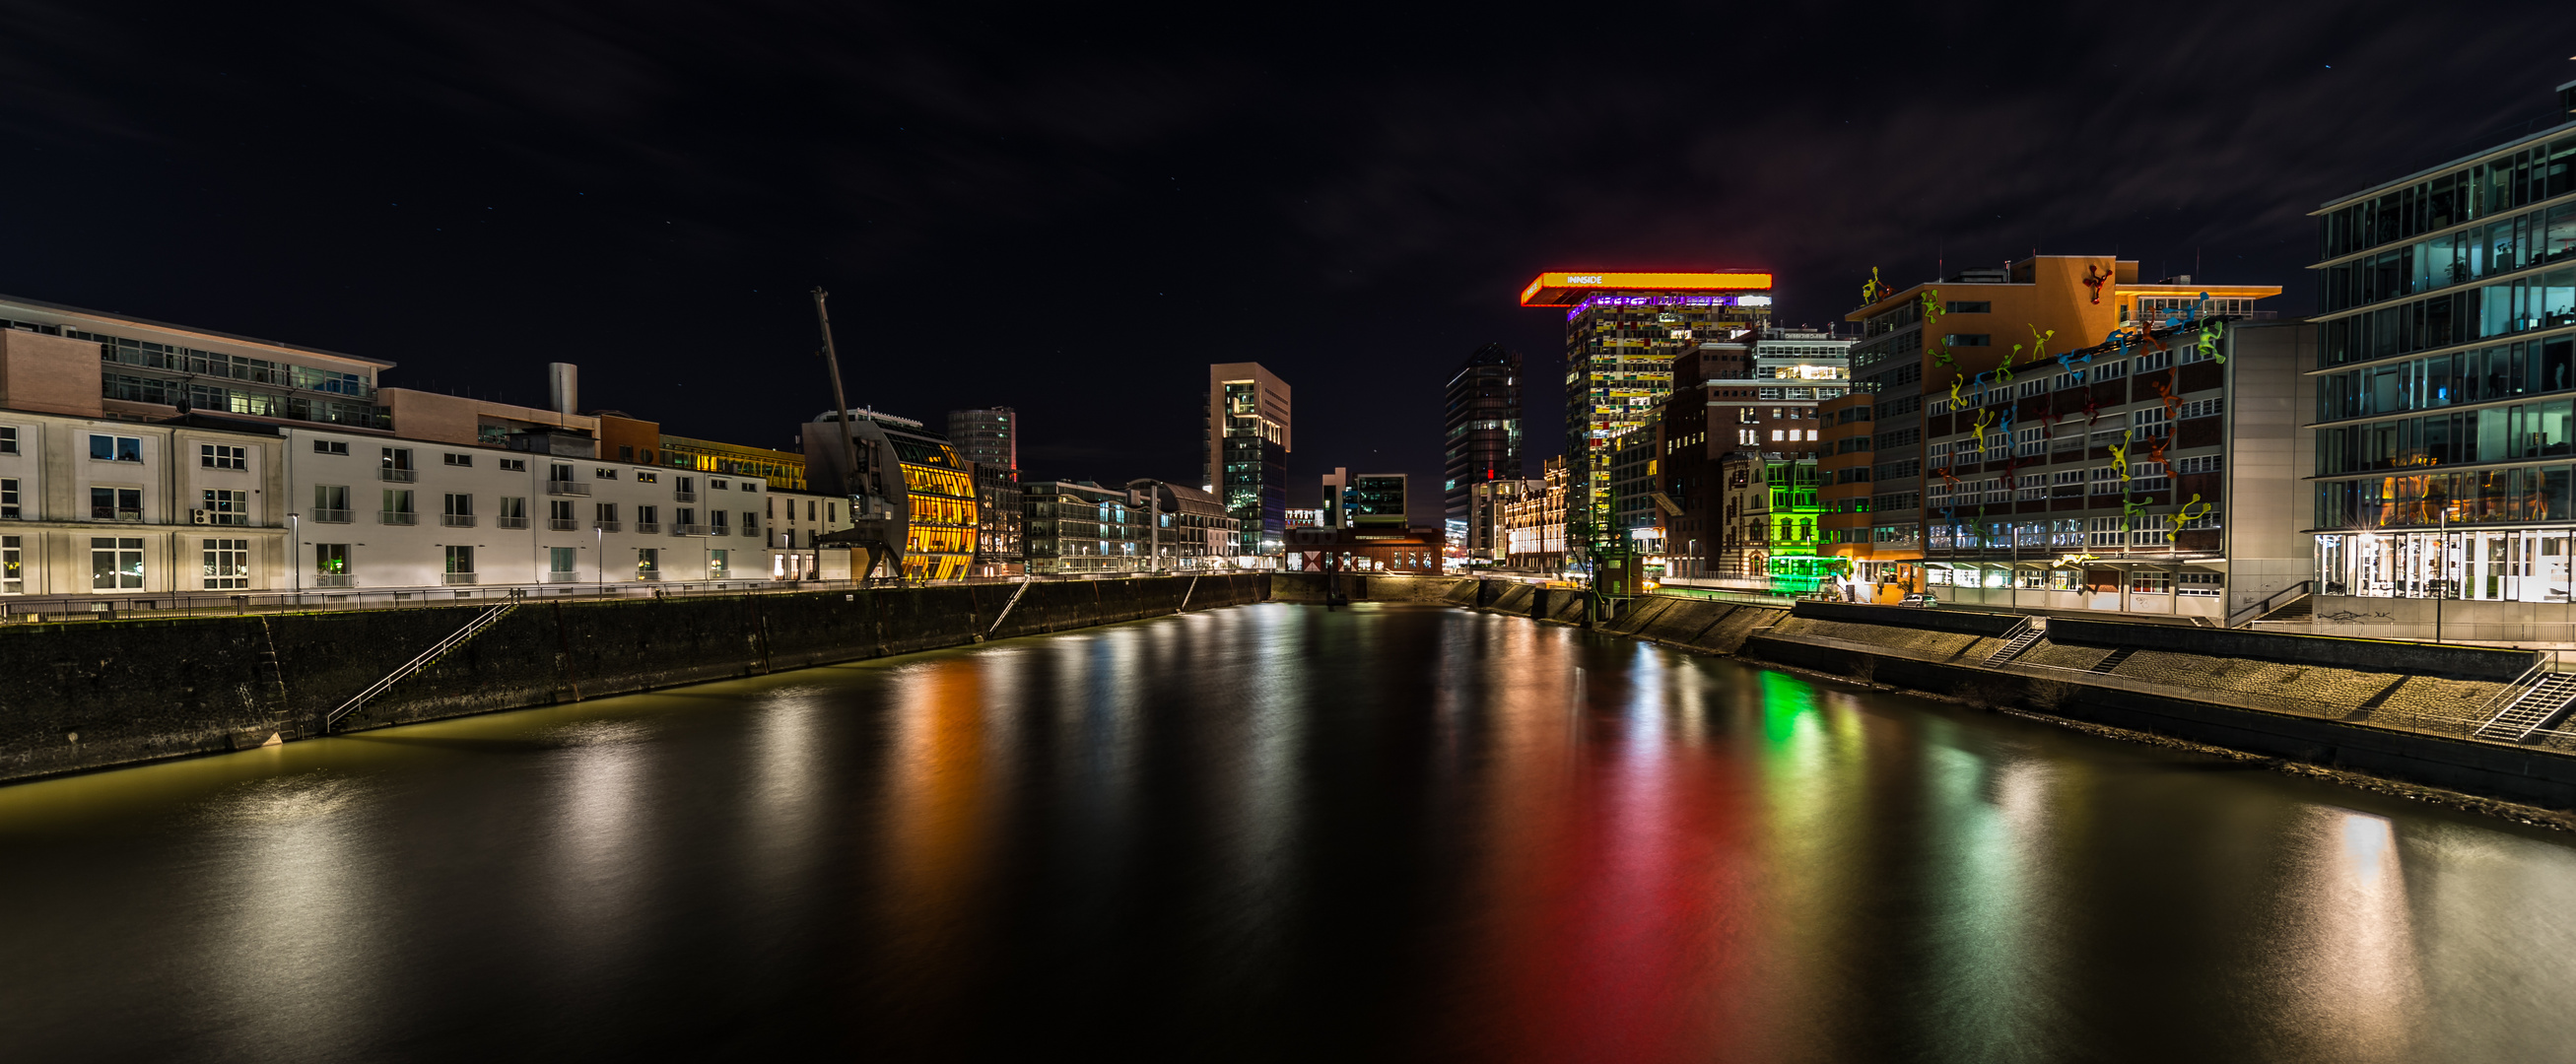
(599, 539)
(295, 553)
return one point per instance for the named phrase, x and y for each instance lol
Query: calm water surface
(1268, 833)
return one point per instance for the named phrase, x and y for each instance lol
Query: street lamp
(295, 553)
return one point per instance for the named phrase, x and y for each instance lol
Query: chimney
(563, 385)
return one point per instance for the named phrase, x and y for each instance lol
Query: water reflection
(1272, 832)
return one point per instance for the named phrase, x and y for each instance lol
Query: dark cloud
(1072, 211)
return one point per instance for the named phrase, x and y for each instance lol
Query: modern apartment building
(1972, 333)
(2443, 380)
(1622, 332)
(1078, 527)
(990, 436)
(1481, 427)
(1001, 520)
(1248, 442)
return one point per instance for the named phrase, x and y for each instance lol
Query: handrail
(2513, 690)
(479, 623)
(2269, 603)
(1006, 607)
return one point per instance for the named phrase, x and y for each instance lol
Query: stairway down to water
(2113, 661)
(2533, 710)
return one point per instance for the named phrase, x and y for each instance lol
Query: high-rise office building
(986, 437)
(2446, 333)
(1622, 331)
(1483, 427)
(1247, 451)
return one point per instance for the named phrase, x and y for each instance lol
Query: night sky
(1072, 209)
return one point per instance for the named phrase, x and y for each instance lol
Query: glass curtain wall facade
(1481, 439)
(2446, 398)
(1619, 350)
(1248, 440)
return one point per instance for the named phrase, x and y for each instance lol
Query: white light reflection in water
(1992, 913)
(783, 815)
(2352, 983)
(599, 851)
(291, 902)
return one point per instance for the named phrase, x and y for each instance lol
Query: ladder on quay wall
(2021, 637)
(426, 659)
(2530, 710)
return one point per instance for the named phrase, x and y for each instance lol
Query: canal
(1270, 832)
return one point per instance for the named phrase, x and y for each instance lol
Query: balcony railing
(459, 578)
(398, 476)
(650, 528)
(397, 517)
(509, 522)
(563, 578)
(684, 496)
(688, 530)
(604, 526)
(648, 574)
(561, 524)
(567, 487)
(335, 580)
(456, 520)
(329, 517)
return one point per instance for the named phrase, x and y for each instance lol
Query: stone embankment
(2397, 711)
(95, 694)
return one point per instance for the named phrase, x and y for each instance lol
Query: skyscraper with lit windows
(1622, 331)
(1247, 451)
(1482, 423)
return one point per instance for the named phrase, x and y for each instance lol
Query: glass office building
(2445, 395)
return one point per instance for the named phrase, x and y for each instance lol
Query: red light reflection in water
(1622, 923)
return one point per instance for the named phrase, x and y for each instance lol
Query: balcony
(752, 531)
(563, 578)
(456, 520)
(650, 528)
(684, 496)
(648, 574)
(329, 517)
(688, 530)
(604, 526)
(561, 524)
(509, 522)
(397, 517)
(336, 580)
(398, 476)
(567, 487)
(459, 578)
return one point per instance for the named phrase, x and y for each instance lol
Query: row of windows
(2495, 434)
(2525, 177)
(2491, 250)
(2494, 310)
(2427, 500)
(2458, 378)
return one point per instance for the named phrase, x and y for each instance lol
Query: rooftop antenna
(840, 402)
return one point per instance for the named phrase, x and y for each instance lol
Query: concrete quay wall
(2198, 685)
(97, 694)
(2513, 773)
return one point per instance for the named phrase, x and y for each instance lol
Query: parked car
(1919, 598)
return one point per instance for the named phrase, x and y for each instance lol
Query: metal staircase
(2113, 661)
(2530, 707)
(2021, 637)
(426, 659)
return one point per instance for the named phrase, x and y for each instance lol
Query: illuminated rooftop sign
(1569, 289)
